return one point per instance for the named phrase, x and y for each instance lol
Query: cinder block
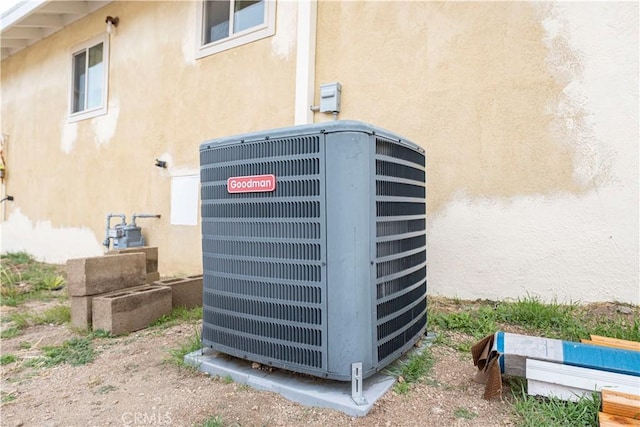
(151, 252)
(153, 277)
(81, 312)
(98, 275)
(130, 309)
(185, 292)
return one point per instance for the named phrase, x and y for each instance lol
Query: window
(229, 23)
(89, 68)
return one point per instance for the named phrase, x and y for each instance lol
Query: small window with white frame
(89, 79)
(225, 24)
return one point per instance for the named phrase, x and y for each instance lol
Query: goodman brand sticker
(251, 184)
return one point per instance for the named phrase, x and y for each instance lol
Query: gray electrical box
(330, 94)
(314, 247)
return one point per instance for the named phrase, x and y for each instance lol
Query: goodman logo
(251, 184)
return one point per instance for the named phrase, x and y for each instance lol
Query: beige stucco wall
(163, 103)
(528, 113)
(468, 81)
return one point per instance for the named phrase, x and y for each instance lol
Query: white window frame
(102, 108)
(267, 29)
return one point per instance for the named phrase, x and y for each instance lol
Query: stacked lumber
(619, 409)
(562, 369)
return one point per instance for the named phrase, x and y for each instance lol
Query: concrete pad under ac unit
(298, 388)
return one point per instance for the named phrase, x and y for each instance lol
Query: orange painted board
(608, 420)
(623, 404)
(614, 342)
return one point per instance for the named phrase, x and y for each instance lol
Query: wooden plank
(608, 420)
(615, 342)
(571, 382)
(623, 404)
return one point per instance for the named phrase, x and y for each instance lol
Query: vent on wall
(327, 267)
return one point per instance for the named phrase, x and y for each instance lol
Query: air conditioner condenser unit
(314, 247)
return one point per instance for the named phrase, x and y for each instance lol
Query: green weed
(475, 323)
(22, 278)
(21, 320)
(17, 258)
(106, 389)
(5, 359)
(10, 332)
(464, 413)
(554, 412)
(562, 321)
(178, 315)
(8, 397)
(57, 315)
(412, 370)
(75, 352)
(215, 421)
(191, 344)
(100, 333)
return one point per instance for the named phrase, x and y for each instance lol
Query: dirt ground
(130, 383)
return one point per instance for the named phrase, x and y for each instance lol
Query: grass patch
(22, 278)
(178, 315)
(5, 359)
(105, 389)
(191, 344)
(227, 379)
(215, 421)
(100, 333)
(553, 412)
(57, 315)
(562, 321)
(75, 352)
(8, 397)
(10, 332)
(478, 323)
(464, 413)
(412, 370)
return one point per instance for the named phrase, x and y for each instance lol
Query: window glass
(226, 24)
(247, 14)
(89, 68)
(216, 20)
(95, 78)
(79, 66)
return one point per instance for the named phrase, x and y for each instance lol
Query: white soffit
(30, 21)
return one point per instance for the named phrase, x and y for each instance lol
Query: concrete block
(130, 309)
(186, 292)
(81, 312)
(150, 252)
(98, 275)
(152, 277)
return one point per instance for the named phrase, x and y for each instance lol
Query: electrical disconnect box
(330, 94)
(314, 247)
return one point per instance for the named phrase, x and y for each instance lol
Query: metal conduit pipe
(137, 215)
(108, 227)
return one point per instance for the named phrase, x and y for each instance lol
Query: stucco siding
(162, 104)
(528, 113)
